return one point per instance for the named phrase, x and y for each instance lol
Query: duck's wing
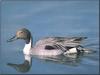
(55, 47)
(60, 47)
(46, 40)
(64, 41)
(69, 39)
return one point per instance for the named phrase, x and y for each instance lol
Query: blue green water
(50, 18)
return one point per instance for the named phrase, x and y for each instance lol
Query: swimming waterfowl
(49, 46)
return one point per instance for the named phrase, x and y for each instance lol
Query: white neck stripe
(27, 48)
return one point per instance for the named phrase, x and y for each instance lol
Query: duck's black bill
(12, 39)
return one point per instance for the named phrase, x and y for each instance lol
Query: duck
(49, 46)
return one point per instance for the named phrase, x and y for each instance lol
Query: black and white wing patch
(56, 46)
(48, 47)
(65, 49)
(78, 50)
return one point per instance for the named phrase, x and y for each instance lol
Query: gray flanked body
(49, 46)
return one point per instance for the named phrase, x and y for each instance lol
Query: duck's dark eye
(21, 32)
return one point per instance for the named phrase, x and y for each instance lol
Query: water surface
(50, 18)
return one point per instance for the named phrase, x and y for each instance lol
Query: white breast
(27, 48)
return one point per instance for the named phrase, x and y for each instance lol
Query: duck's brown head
(21, 34)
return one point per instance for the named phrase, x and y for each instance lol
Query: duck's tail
(84, 50)
(87, 50)
(78, 39)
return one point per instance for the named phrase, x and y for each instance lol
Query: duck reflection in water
(25, 66)
(71, 60)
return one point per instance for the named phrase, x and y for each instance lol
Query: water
(50, 18)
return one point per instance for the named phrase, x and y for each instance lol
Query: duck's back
(65, 41)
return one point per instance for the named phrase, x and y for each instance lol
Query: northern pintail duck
(49, 46)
